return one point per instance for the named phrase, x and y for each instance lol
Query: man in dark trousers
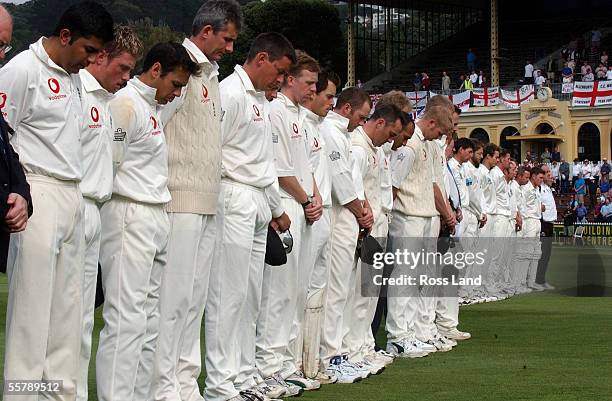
(15, 201)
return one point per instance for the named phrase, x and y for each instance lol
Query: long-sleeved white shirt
(140, 153)
(96, 139)
(532, 203)
(459, 174)
(318, 159)
(385, 152)
(41, 103)
(488, 190)
(290, 144)
(473, 178)
(548, 200)
(502, 195)
(248, 157)
(334, 130)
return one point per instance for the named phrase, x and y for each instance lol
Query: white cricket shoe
(379, 359)
(440, 346)
(424, 346)
(446, 340)
(272, 388)
(457, 335)
(305, 383)
(405, 349)
(343, 372)
(372, 365)
(361, 370)
(325, 378)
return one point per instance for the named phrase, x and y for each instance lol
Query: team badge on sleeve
(335, 155)
(119, 135)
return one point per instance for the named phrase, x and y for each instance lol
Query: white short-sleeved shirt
(316, 146)
(529, 71)
(334, 130)
(247, 154)
(502, 195)
(140, 153)
(290, 143)
(96, 139)
(548, 200)
(40, 101)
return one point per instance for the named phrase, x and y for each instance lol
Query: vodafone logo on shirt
(155, 125)
(2, 103)
(55, 88)
(315, 145)
(257, 113)
(205, 98)
(95, 117)
(295, 132)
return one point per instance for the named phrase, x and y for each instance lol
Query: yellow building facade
(545, 122)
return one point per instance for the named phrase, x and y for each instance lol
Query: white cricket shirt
(96, 139)
(39, 100)
(532, 204)
(502, 194)
(311, 124)
(140, 153)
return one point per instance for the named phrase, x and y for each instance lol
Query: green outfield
(546, 346)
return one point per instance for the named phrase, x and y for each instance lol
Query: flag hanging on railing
(514, 98)
(485, 96)
(417, 99)
(461, 100)
(590, 94)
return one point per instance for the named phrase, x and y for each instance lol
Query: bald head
(6, 30)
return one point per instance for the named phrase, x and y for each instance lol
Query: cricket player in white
(499, 220)
(348, 215)
(45, 262)
(517, 277)
(529, 250)
(514, 226)
(279, 326)
(413, 210)
(98, 82)
(135, 225)
(192, 124)
(249, 200)
(384, 125)
(315, 110)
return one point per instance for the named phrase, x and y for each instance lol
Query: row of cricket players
(171, 183)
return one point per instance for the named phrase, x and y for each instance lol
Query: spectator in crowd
(555, 172)
(606, 211)
(425, 81)
(600, 72)
(567, 73)
(589, 178)
(539, 79)
(588, 77)
(556, 155)
(595, 39)
(417, 82)
(604, 58)
(605, 167)
(586, 68)
(576, 168)
(564, 176)
(580, 188)
(604, 186)
(597, 209)
(546, 156)
(551, 67)
(467, 84)
(474, 79)
(445, 81)
(573, 203)
(485, 83)
(609, 73)
(531, 157)
(480, 78)
(528, 77)
(581, 213)
(471, 60)
(359, 84)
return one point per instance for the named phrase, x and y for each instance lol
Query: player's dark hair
(85, 20)
(390, 113)
(356, 97)
(274, 44)
(325, 77)
(172, 56)
(463, 143)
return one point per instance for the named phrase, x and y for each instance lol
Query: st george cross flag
(513, 98)
(461, 100)
(375, 98)
(592, 94)
(485, 96)
(417, 99)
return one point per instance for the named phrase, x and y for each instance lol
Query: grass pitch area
(545, 346)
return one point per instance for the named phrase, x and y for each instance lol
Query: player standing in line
(315, 110)
(474, 219)
(384, 125)
(98, 82)
(135, 225)
(349, 214)
(499, 220)
(279, 325)
(248, 202)
(192, 123)
(45, 262)
(413, 210)
(515, 226)
(518, 275)
(529, 245)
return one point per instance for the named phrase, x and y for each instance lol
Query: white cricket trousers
(528, 253)
(405, 232)
(469, 244)
(343, 242)
(496, 238)
(284, 290)
(45, 273)
(234, 292)
(92, 230)
(360, 310)
(424, 325)
(133, 257)
(184, 289)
